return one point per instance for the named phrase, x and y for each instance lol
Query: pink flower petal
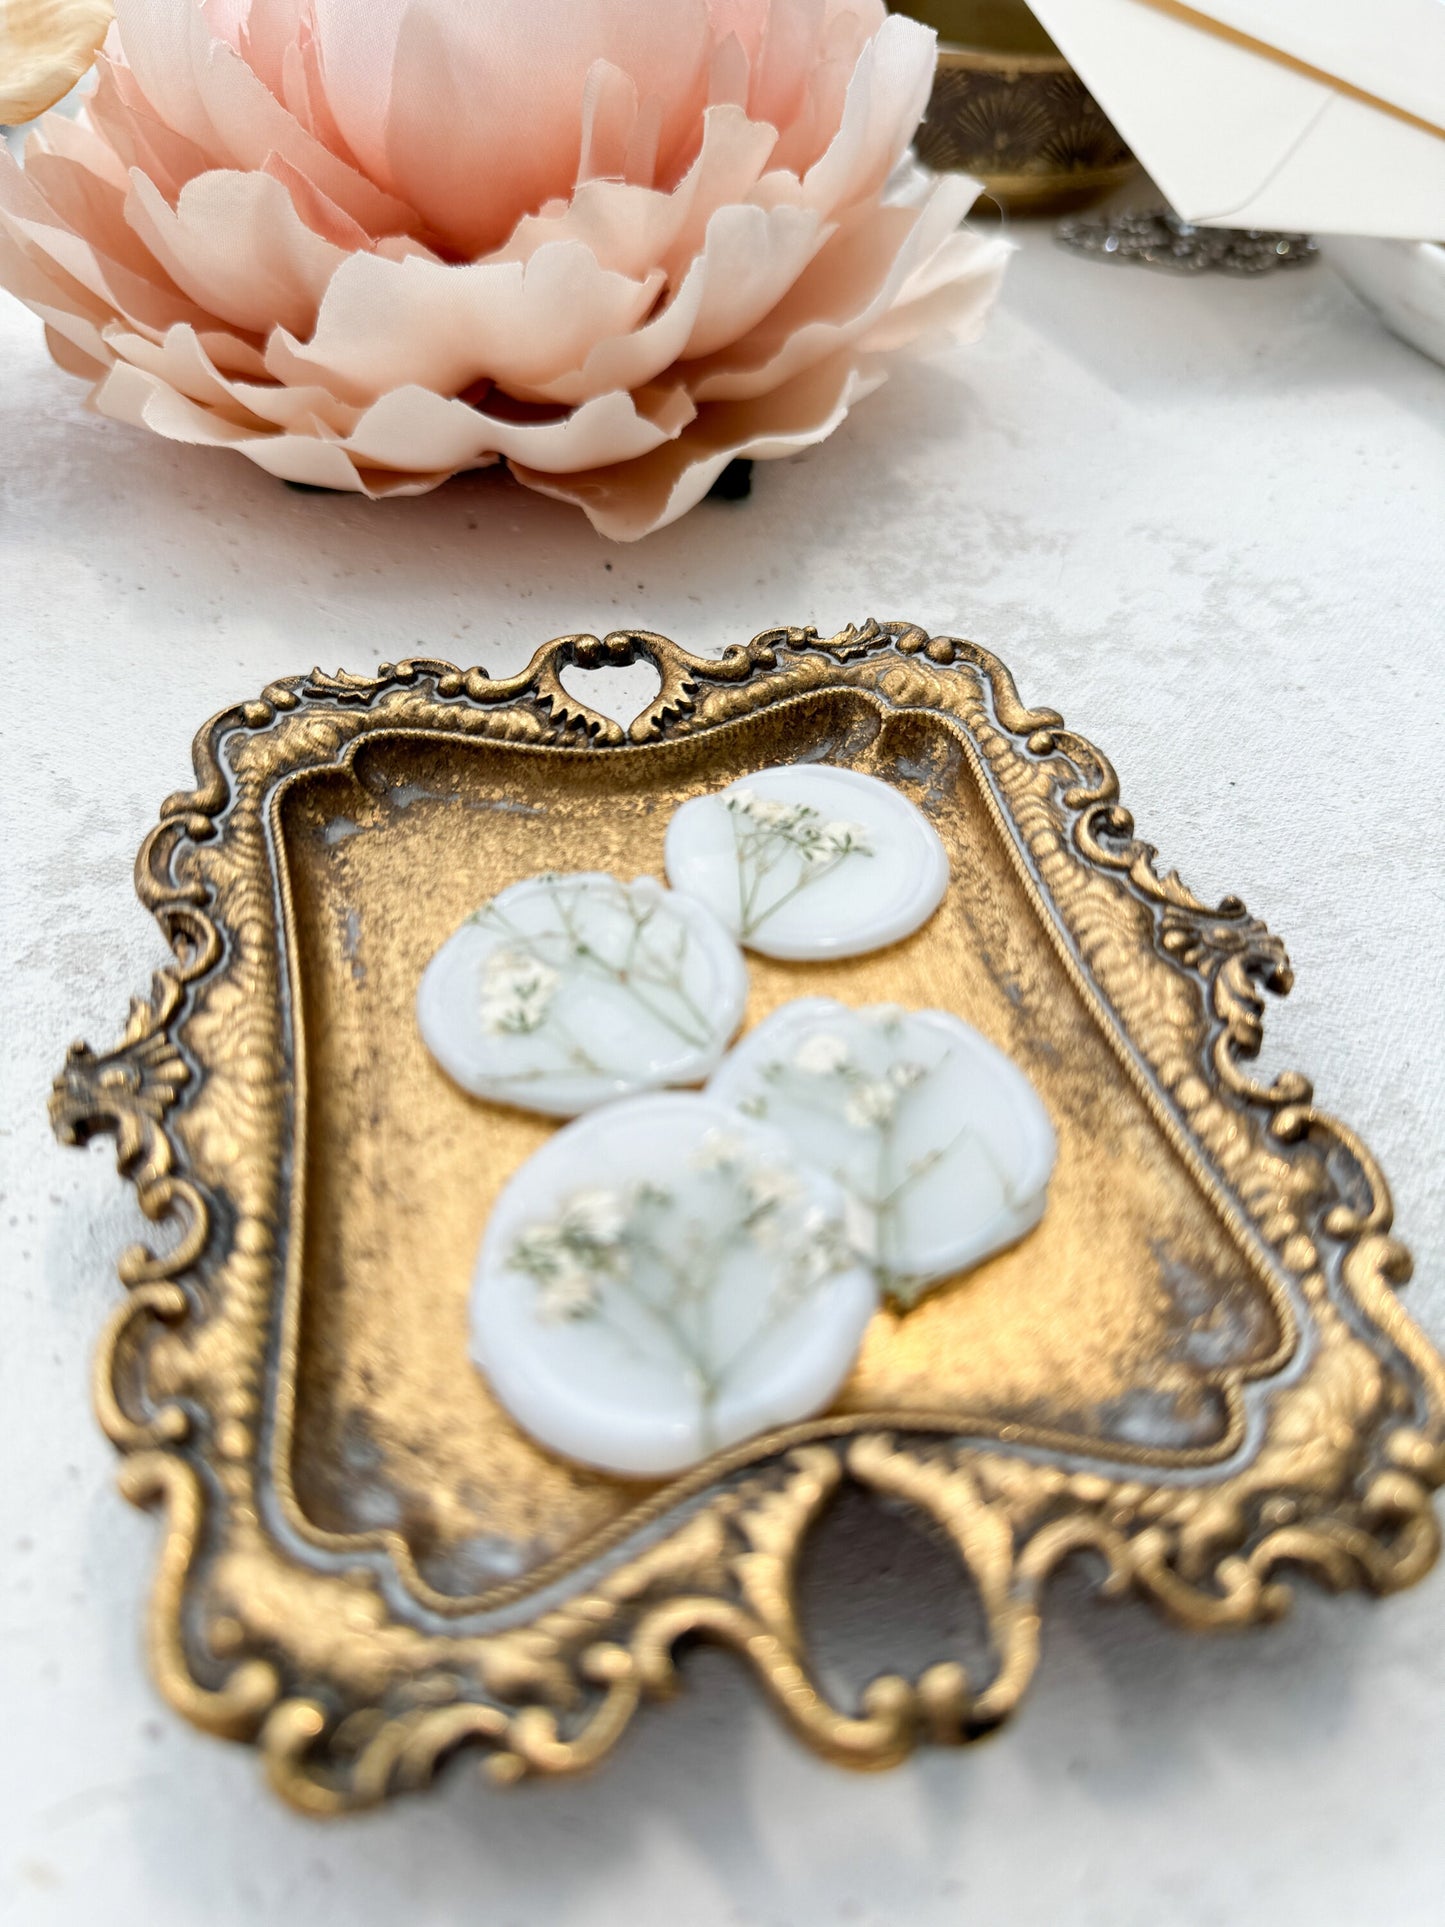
(410, 433)
(844, 290)
(125, 121)
(886, 97)
(235, 245)
(749, 260)
(434, 98)
(631, 228)
(384, 323)
(317, 210)
(201, 87)
(66, 353)
(412, 424)
(150, 298)
(129, 394)
(179, 362)
(83, 202)
(635, 498)
(74, 139)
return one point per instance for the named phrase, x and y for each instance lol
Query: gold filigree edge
(1339, 1485)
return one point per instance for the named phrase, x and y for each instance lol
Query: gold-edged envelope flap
(1274, 113)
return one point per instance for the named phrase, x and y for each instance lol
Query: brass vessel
(1007, 107)
(1195, 1374)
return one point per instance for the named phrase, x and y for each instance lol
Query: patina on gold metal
(1194, 1370)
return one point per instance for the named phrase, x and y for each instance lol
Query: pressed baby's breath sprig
(645, 959)
(822, 1074)
(572, 1255)
(791, 844)
(517, 993)
(650, 1263)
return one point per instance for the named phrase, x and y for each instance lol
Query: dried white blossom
(821, 1054)
(819, 1247)
(767, 832)
(645, 1195)
(768, 1187)
(517, 992)
(596, 1215)
(881, 1016)
(719, 1151)
(765, 1188)
(568, 1285)
(871, 1104)
(768, 812)
(649, 1262)
(830, 842)
(569, 1291)
(583, 980)
(574, 1254)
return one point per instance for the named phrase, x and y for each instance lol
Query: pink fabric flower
(616, 242)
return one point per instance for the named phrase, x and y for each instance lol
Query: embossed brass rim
(990, 60)
(351, 1694)
(1025, 124)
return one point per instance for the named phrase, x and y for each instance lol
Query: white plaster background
(1202, 518)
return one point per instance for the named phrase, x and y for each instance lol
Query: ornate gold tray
(1194, 1371)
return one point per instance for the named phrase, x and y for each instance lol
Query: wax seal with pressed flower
(808, 861)
(567, 991)
(662, 1280)
(934, 1132)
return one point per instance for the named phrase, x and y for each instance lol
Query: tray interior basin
(1111, 1324)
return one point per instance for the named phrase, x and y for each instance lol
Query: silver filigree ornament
(1159, 238)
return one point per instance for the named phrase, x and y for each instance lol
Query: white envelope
(1321, 115)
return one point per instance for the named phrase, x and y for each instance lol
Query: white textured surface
(1202, 518)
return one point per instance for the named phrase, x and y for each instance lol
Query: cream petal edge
(633, 500)
(409, 433)
(45, 47)
(412, 440)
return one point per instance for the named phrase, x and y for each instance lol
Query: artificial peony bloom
(616, 243)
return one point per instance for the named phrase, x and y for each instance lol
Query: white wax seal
(806, 861)
(662, 1280)
(935, 1133)
(567, 991)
